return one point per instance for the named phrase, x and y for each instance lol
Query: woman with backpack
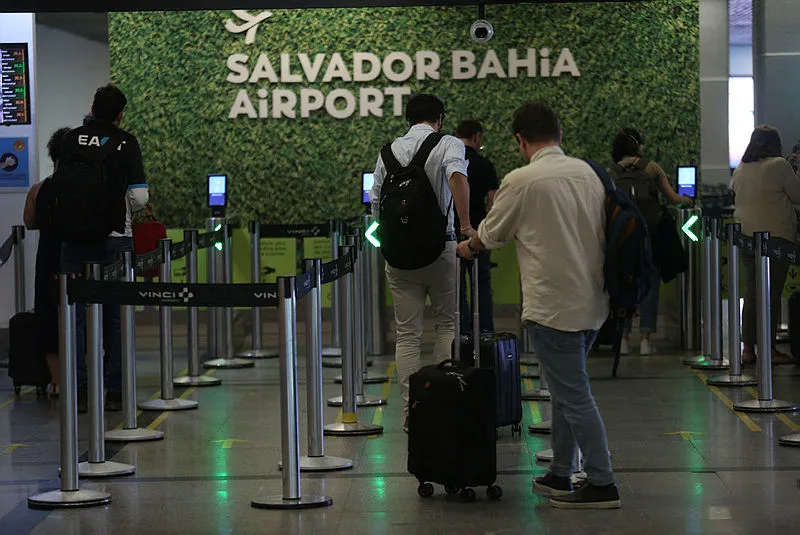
(766, 190)
(642, 180)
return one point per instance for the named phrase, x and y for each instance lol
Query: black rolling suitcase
(27, 364)
(451, 429)
(498, 351)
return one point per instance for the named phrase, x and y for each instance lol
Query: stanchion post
(316, 460)
(371, 314)
(69, 494)
(705, 300)
(228, 360)
(734, 377)
(349, 426)
(193, 376)
(97, 466)
(335, 349)
(765, 402)
(167, 401)
(211, 278)
(359, 358)
(20, 304)
(130, 432)
(715, 360)
(290, 432)
(257, 351)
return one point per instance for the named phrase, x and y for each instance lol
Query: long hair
(765, 142)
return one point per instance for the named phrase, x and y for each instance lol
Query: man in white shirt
(446, 169)
(553, 208)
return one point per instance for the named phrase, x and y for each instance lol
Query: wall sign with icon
(14, 170)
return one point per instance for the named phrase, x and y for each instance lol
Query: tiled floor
(726, 476)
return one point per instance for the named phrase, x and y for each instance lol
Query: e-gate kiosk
(375, 274)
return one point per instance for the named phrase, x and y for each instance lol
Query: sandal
(779, 357)
(748, 355)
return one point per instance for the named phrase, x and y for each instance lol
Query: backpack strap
(602, 174)
(390, 160)
(426, 148)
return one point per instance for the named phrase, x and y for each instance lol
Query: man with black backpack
(554, 210)
(418, 179)
(98, 183)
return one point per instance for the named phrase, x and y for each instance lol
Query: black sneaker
(589, 497)
(552, 485)
(113, 401)
(83, 401)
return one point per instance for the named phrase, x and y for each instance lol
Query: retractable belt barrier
(6, 248)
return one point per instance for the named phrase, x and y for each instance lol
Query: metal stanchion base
(278, 502)
(176, 404)
(544, 456)
(139, 434)
(56, 499)
(105, 469)
(196, 380)
(790, 440)
(369, 378)
(711, 364)
(341, 429)
(537, 394)
(361, 401)
(542, 428)
(228, 363)
(258, 354)
(529, 375)
(529, 363)
(694, 360)
(321, 464)
(732, 380)
(332, 362)
(330, 352)
(757, 405)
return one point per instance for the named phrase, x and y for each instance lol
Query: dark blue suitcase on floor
(27, 364)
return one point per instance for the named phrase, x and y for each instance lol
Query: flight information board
(15, 98)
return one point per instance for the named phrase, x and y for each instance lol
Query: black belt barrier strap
(744, 242)
(6, 248)
(148, 261)
(302, 285)
(781, 249)
(115, 271)
(310, 230)
(172, 294)
(179, 250)
(336, 269)
(209, 239)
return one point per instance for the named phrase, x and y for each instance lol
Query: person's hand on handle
(688, 201)
(468, 231)
(464, 251)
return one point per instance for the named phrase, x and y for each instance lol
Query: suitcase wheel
(494, 492)
(450, 490)
(425, 490)
(17, 390)
(468, 495)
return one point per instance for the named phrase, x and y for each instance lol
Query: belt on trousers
(451, 236)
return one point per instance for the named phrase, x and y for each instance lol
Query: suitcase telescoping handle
(475, 313)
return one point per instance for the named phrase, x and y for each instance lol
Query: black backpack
(82, 204)
(413, 230)
(633, 181)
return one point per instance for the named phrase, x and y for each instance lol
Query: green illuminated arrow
(686, 228)
(370, 234)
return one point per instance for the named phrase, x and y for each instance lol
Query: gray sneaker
(589, 497)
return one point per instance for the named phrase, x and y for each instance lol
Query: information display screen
(367, 180)
(15, 99)
(687, 181)
(217, 190)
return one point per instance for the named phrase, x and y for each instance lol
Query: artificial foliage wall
(186, 74)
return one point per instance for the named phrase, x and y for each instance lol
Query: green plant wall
(639, 65)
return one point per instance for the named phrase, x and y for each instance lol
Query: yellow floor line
(151, 398)
(782, 417)
(377, 417)
(12, 399)
(163, 416)
(728, 403)
(533, 406)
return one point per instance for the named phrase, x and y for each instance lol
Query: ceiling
(94, 26)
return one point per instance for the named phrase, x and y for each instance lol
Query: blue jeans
(576, 420)
(485, 306)
(648, 307)
(74, 257)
